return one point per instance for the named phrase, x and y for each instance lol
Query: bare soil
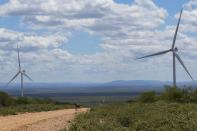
(41, 121)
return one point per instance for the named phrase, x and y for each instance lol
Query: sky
(96, 41)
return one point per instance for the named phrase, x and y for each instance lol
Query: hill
(139, 116)
(174, 109)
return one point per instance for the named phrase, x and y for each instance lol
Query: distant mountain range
(114, 86)
(152, 83)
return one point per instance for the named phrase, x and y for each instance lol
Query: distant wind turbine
(174, 51)
(21, 73)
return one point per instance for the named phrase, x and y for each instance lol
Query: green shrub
(186, 95)
(26, 100)
(173, 94)
(23, 100)
(195, 96)
(125, 120)
(5, 99)
(175, 109)
(148, 97)
(9, 105)
(157, 116)
(40, 101)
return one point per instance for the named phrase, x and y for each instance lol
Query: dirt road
(41, 121)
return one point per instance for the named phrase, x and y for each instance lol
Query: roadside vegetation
(10, 105)
(174, 109)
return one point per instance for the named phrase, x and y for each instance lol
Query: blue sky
(84, 41)
(173, 6)
(3, 1)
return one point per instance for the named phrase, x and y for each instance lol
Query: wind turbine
(174, 51)
(20, 72)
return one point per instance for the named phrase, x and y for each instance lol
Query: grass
(174, 109)
(12, 106)
(138, 116)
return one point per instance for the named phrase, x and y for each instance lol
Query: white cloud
(9, 39)
(100, 14)
(127, 32)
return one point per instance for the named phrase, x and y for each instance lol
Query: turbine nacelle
(175, 49)
(23, 71)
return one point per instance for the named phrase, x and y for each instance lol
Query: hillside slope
(158, 116)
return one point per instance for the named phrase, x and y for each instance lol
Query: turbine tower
(20, 72)
(174, 51)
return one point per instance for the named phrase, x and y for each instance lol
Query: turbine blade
(27, 76)
(13, 78)
(19, 62)
(177, 28)
(179, 59)
(155, 54)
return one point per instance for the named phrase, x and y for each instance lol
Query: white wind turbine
(20, 72)
(174, 51)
